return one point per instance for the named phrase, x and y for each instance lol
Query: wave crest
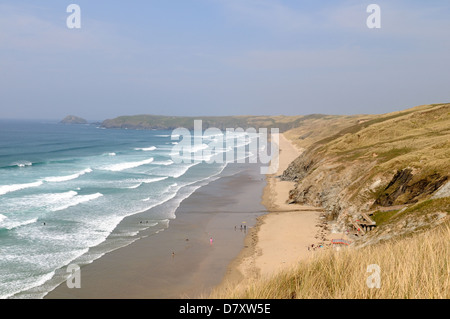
(68, 177)
(79, 199)
(5, 189)
(22, 164)
(145, 149)
(128, 165)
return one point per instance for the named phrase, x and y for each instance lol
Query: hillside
(284, 123)
(385, 180)
(394, 167)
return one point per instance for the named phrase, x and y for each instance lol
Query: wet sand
(148, 269)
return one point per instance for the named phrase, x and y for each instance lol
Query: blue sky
(221, 57)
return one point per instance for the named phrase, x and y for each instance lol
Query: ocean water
(66, 190)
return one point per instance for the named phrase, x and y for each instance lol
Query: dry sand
(281, 238)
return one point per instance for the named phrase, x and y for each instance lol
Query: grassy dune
(317, 129)
(412, 267)
(418, 136)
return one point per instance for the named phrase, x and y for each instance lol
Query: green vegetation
(283, 123)
(383, 217)
(393, 153)
(427, 207)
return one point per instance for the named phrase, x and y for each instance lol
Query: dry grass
(312, 130)
(414, 267)
(417, 137)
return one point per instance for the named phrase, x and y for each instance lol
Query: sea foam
(145, 149)
(76, 200)
(67, 177)
(5, 189)
(134, 186)
(11, 224)
(165, 163)
(127, 165)
(22, 164)
(2, 217)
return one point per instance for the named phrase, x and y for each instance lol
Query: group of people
(243, 228)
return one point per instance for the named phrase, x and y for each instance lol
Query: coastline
(281, 238)
(277, 237)
(146, 268)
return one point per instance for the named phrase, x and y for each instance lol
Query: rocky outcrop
(443, 192)
(72, 119)
(403, 189)
(340, 189)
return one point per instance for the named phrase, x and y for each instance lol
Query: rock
(72, 119)
(442, 192)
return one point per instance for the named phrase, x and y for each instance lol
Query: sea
(67, 190)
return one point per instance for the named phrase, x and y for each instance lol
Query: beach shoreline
(282, 237)
(147, 269)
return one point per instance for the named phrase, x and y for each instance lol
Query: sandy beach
(281, 238)
(181, 262)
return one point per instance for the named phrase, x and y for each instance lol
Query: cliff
(393, 167)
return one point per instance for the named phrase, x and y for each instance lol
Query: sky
(221, 57)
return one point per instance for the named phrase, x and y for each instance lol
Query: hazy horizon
(220, 58)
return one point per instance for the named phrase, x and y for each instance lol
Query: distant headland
(72, 119)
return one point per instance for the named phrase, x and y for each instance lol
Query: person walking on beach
(210, 241)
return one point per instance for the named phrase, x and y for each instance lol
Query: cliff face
(392, 162)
